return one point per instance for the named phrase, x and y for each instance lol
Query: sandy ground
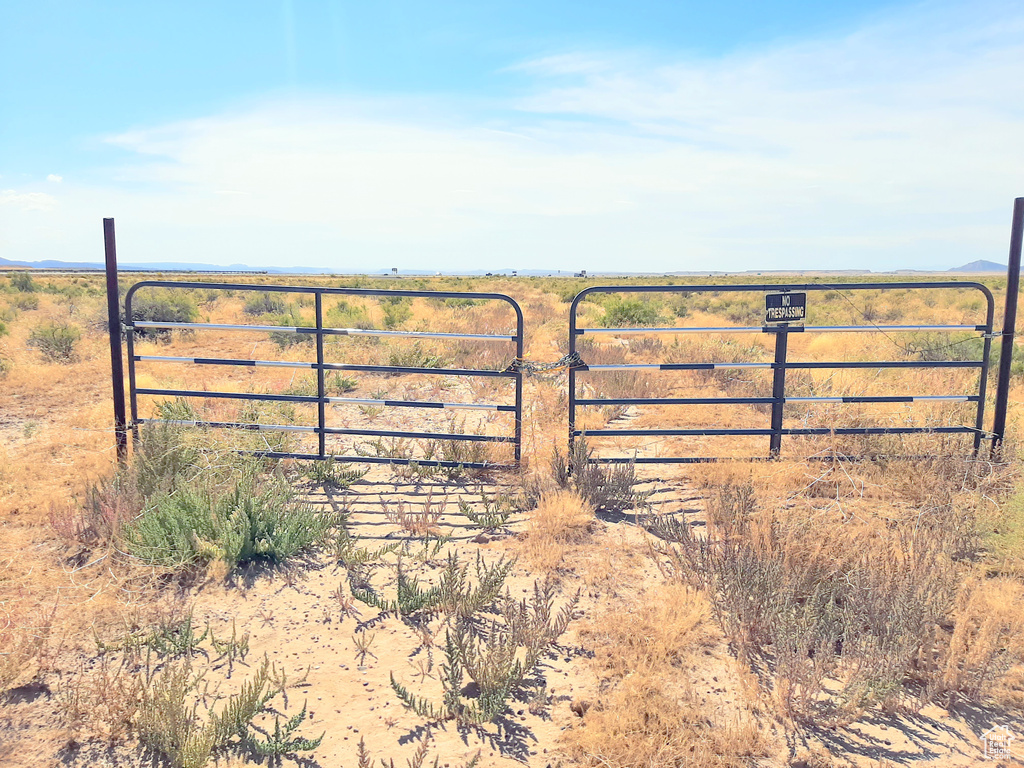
(294, 618)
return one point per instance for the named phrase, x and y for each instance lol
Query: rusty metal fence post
(114, 327)
(1009, 323)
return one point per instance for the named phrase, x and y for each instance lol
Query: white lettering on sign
(785, 313)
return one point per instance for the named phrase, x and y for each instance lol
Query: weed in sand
(254, 519)
(332, 474)
(608, 487)
(497, 655)
(364, 642)
(416, 522)
(494, 515)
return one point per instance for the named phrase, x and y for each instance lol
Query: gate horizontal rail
(319, 331)
(790, 329)
(781, 364)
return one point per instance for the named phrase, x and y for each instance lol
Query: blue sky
(562, 135)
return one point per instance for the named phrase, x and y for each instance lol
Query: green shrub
(460, 303)
(265, 304)
(397, 309)
(56, 340)
(162, 306)
(345, 315)
(22, 281)
(5, 367)
(162, 460)
(254, 519)
(620, 312)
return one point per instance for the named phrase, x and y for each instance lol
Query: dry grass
(654, 630)
(987, 640)
(561, 520)
(27, 644)
(650, 722)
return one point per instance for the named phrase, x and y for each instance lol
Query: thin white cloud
(26, 201)
(54, 178)
(897, 145)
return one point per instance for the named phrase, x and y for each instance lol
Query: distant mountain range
(179, 266)
(980, 266)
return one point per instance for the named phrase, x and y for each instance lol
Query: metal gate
(775, 429)
(319, 332)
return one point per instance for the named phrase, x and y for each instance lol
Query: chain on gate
(547, 370)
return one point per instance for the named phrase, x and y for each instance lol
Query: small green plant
(337, 383)
(349, 553)
(497, 655)
(254, 519)
(173, 722)
(169, 721)
(332, 474)
(282, 742)
(495, 513)
(232, 649)
(411, 597)
(56, 340)
(177, 638)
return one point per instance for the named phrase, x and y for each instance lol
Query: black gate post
(321, 394)
(1009, 323)
(778, 388)
(114, 327)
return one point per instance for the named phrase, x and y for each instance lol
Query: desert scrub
(265, 304)
(346, 315)
(23, 282)
(162, 306)
(173, 719)
(627, 313)
(56, 340)
(163, 459)
(842, 617)
(397, 309)
(415, 356)
(252, 519)
(497, 652)
(607, 487)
